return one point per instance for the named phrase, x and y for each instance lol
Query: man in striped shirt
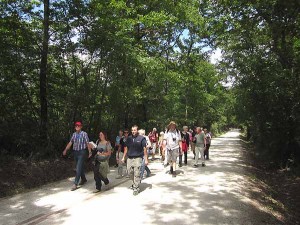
(80, 142)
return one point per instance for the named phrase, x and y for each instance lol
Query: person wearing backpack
(101, 156)
(173, 146)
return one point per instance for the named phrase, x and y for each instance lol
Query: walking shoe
(82, 182)
(203, 164)
(195, 165)
(97, 191)
(75, 187)
(135, 192)
(106, 181)
(180, 165)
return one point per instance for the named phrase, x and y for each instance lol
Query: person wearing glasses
(80, 143)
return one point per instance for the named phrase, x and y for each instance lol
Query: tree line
(110, 64)
(261, 53)
(115, 63)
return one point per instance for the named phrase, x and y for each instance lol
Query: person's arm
(125, 153)
(88, 144)
(118, 152)
(69, 145)
(164, 141)
(108, 153)
(146, 156)
(148, 141)
(180, 142)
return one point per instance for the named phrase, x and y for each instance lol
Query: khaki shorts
(172, 155)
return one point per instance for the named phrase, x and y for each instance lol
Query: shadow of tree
(220, 193)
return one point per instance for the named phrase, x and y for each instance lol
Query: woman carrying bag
(101, 156)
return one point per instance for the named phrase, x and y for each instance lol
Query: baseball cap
(78, 123)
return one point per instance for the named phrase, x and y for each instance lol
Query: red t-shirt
(153, 137)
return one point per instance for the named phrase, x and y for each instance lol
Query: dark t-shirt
(123, 144)
(135, 146)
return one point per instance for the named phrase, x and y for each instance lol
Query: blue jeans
(80, 157)
(143, 168)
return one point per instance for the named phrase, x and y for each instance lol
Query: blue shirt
(79, 140)
(118, 139)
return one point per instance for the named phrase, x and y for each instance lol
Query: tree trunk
(43, 76)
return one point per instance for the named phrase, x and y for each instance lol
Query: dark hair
(137, 127)
(105, 135)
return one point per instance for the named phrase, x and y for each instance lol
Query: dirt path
(219, 193)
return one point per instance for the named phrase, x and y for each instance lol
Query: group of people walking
(133, 149)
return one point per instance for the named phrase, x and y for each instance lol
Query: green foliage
(261, 51)
(111, 64)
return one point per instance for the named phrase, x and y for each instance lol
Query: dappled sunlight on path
(219, 193)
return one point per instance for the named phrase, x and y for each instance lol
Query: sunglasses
(77, 126)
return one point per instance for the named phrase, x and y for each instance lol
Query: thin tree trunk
(43, 76)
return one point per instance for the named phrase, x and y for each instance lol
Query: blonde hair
(141, 132)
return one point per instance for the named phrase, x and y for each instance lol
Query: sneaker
(82, 182)
(106, 181)
(97, 191)
(195, 165)
(75, 187)
(203, 164)
(180, 165)
(135, 192)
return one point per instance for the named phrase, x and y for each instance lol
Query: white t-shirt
(148, 141)
(172, 138)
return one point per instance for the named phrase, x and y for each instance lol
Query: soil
(278, 189)
(19, 175)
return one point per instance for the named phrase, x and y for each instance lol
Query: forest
(115, 63)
